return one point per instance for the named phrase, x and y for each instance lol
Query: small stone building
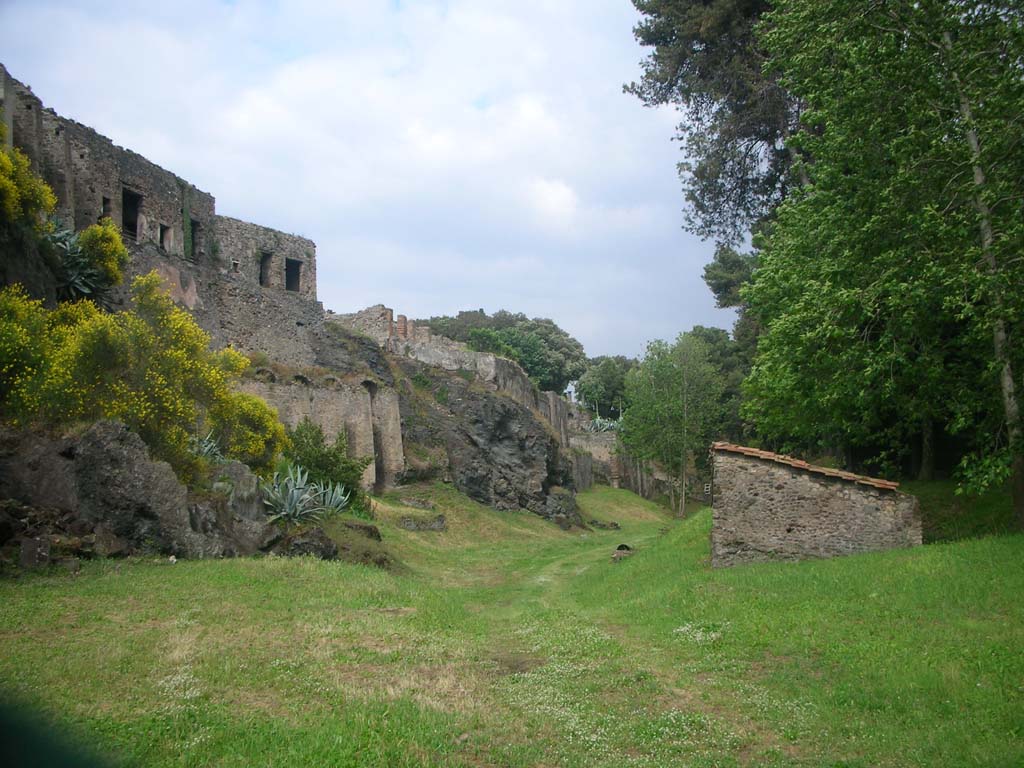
(772, 507)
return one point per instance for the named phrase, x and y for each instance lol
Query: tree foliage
(890, 287)
(549, 355)
(705, 59)
(603, 385)
(673, 408)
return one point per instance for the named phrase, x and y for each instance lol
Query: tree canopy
(889, 287)
(736, 115)
(673, 409)
(549, 355)
(603, 384)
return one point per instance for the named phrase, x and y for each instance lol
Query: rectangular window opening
(265, 259)
(165, 237)
(197, 233)
(106, 208)
(292, 274)
(131, 204)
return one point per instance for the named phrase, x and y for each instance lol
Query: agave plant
(79, 278)
(290, 499)
(333, 497)
(206, 448)
(603, 425)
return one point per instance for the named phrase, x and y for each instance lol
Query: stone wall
(376, 322)
(774, 508)
(211, 264)
(93, 178)
(403, 337)
(582, 470)
(367, 416)
(266, 257)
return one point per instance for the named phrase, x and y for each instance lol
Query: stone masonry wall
(210, 264)
(342, 409)
(765, 510)
(405, 338)
(368, 417)
(260, 255)
(91, 177)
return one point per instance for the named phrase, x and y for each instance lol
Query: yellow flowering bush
(103, 248)
(150, 367)
(25, 199)
(23, 341)
(249, 430)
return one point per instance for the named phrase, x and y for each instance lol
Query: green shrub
(326, 463)
(441, 395)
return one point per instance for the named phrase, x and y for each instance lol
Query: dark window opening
(292, 273)
(197, 231)
(106, 208)
(265, 259)
(131, 203)
(165, 237)
(235, 264)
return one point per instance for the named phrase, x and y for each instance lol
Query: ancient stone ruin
(481, 424)
(773, 507)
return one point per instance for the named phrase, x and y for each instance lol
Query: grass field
(505, 641)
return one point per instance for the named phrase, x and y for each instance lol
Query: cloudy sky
(443, 154)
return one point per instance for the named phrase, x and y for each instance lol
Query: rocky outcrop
(313, 542)
(489, 446)
(423, 523)
(103, 489)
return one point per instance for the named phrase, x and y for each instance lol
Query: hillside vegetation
(505, 641)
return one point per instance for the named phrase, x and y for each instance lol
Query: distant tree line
(550, 356)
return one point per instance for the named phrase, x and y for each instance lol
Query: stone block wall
(265, 257)
(369, 419)
(377, 322)
(403, 337)
(93, 178)
(768, 507)
(281, 324)
(210, 264)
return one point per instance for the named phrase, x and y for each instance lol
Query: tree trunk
(927, 468)
(682, 463)
(1011, 408)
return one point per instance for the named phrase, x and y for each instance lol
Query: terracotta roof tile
(874, 482)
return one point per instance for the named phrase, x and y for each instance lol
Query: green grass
(945, 516)
(505, 641)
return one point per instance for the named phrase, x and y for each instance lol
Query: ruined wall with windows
(165, 221)
(254, 288)
(266, 257)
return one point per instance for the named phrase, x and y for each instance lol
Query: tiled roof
(874, 482)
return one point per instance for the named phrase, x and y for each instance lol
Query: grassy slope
(505, 641)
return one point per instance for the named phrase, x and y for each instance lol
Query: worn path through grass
(505, 641)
